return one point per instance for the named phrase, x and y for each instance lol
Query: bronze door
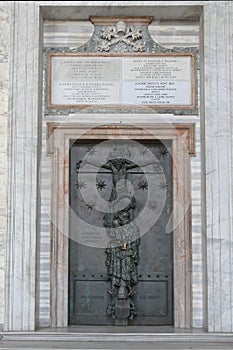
(128, 283)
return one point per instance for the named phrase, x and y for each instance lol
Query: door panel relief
(125, 277)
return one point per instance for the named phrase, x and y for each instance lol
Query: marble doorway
(60, 137)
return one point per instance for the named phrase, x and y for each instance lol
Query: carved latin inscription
(161, 80)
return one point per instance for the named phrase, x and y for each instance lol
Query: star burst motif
(163, 185)
(163, 151)
(152, 205)
(101, 184)
(91, 151)
(91, 205)
(79, 165)
(81, 184)
(143, 185)
(142, 150)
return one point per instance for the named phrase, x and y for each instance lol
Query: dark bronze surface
(130, 280)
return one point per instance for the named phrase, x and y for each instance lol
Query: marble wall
(5, 8)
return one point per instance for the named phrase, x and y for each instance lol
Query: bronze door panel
(92, 300)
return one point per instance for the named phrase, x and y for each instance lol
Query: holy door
(120, 246)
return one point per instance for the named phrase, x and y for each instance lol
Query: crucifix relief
(122, 251)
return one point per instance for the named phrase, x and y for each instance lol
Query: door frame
(59, 138)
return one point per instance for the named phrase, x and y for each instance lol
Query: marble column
(23, 155)
(218, 108)
(5, 8)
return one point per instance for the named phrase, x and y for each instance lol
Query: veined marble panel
(77, 33)
(23, 147)
(218, 132)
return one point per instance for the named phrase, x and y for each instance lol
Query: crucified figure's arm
(128, 165)
(132, 166)
(81, 163)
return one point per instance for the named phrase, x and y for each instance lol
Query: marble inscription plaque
(164, 81)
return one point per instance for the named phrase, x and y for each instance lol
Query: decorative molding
(113, 20)
(186, 130)
(189, 133)
(58, 147)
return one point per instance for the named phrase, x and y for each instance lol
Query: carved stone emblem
(122, 33)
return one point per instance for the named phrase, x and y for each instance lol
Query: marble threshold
(119, 334)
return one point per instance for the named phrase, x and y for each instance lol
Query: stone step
(89, 345)
(107, 336)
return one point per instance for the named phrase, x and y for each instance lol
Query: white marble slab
(162, 80)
